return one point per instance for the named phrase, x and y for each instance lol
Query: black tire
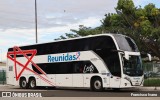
(32, 83)
(96, 84)
(23, 83)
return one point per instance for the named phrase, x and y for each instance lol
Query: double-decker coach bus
(95, 62)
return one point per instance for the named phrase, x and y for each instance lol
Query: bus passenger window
(89, 68)
(77, 67)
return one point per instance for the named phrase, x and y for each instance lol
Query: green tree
(142, 24)
(67, 35)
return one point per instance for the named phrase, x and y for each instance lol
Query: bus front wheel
(96, 84)
(32, 83)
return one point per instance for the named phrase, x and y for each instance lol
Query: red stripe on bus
(18, 51)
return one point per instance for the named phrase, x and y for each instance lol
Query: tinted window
(72, 45)
(111, 60)
(126, 43)
(67, 67)
(84, 67)
(10, 68)
(102, 42)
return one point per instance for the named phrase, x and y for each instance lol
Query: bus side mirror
(149, 57)
(146, 55)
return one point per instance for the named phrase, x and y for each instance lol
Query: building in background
(2, 64)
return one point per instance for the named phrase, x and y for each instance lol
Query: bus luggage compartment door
(115, 82)
(64, 80)
(78, 80)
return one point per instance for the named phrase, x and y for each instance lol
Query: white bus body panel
(78, 80)
(68, 80)
(10, 73)
(114, 82)
(64, 80)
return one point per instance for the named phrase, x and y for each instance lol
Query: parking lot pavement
(16, 88)
(78, 94)
(74, 92)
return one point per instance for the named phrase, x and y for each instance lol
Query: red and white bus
(95, 62)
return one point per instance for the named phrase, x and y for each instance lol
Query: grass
(152, 82)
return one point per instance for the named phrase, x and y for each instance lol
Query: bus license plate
(136, 83)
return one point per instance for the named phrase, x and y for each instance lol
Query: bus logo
(64, 57)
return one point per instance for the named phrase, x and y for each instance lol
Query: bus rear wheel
(32, 83)
(23, 83)
(96, 84)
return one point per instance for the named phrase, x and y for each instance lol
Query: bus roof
(89, 36)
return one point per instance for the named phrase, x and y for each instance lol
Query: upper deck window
(81, 44)
(126, 43)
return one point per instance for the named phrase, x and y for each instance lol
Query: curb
(149, 88)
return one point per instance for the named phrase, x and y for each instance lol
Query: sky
(55, 17)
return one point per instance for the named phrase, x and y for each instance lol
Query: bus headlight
(128, 79)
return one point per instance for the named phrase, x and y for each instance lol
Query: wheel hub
(97, 84)
(32, 83)
(24, 83)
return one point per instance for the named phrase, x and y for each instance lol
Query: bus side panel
(39, 81)
(87, 79)
(64, 80)
(103, 72)
(78, 80)
(10, 72)
(11, 76)
(50, 78)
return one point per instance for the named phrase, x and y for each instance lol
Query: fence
(151, 74)
(2, 76)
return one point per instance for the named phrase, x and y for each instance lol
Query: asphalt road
(78, 92)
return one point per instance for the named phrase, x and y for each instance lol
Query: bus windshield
(133, 66)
